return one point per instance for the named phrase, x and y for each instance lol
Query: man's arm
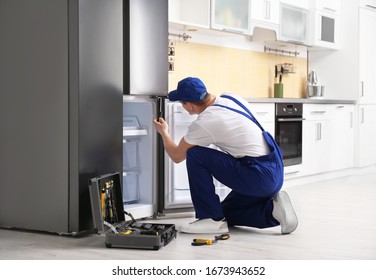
(176, 152)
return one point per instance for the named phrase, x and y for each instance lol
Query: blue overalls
(254, 181)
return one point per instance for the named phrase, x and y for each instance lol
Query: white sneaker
(284, 213)
(205, 226)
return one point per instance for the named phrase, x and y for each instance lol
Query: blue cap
(189, 90)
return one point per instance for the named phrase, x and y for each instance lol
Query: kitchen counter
(300, 100)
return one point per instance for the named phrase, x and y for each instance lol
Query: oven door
(288, 135)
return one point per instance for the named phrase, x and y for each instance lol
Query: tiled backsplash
(247, 73)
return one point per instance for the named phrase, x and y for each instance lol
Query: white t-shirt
(228, 130)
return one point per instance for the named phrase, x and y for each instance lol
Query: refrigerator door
(176, 190)
(145, 47)
(139, 155)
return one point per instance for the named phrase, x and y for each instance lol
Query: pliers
(203, 241)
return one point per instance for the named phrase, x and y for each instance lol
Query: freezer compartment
(177, 193)
(139, 156)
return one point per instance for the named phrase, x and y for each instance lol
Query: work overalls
(254, 181)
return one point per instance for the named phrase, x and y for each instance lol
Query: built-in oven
(288, 131)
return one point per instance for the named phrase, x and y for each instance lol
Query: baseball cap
(189, 90)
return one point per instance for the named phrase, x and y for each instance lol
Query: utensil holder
(278, 90)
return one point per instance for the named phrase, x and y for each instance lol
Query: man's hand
(161, 126)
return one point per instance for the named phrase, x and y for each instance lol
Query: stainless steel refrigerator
(152, 184)
(61, 90)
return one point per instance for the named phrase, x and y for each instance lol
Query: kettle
(312, 78)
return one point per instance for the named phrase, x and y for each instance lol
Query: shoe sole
(289, 216)
(198, 231)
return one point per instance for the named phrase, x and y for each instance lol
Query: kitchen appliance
(145, 30)
(314, 90)
(61, 84)
(288, 131)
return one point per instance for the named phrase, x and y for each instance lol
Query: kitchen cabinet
(342, 127)
(195, 13)
(265, 14)
(327, 5)
(316, 138)
(265, 114)
(293, 24)
(366, 148)
(325, 24)
(367, 56)
(232, 16)
(303, 4)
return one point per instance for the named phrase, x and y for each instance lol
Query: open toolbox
(109, 218)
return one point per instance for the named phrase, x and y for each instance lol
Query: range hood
(269, 38)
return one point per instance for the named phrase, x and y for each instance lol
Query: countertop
(300, 100)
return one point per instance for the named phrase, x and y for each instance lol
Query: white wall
(338, 69)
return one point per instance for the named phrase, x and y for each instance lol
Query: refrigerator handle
(161, 105)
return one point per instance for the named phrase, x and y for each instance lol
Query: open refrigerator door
(177, 195)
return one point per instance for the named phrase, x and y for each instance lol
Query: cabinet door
(304, 4)
(265, 11)
(265, 114)
(328, 5)
(367, 56)
(326, 29)
(231, 16)
(317, 138)
(366, 148)
(342, 137)
(293, 24)
(189, 12)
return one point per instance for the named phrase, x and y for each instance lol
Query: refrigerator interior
(139, 156)
(177, 194)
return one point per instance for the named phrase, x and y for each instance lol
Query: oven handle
(290, 119)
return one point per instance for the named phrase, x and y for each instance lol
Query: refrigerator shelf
(134, 131)
(131, 172)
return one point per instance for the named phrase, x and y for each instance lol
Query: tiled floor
(337, 220)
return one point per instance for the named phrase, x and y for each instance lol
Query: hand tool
(203, 241)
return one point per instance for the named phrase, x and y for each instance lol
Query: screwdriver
(203, 241)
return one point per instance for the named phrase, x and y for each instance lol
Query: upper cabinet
(306, 22)
(303, 4)
(233, 16)
(367, 56)
(265, 14)
(325, 17)
(195, 13)
(293, 23)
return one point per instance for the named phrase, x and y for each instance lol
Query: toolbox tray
(133, 234)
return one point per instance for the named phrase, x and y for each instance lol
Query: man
(248, 161)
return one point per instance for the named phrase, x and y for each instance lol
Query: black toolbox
(109, 218)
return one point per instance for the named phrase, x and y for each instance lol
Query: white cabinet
(293, 24)
(325, 24)
(265, 11)
(194, 13)
(333, 6)
(367, 56)
(303, 4)
(265, 114)
(341, 154)
(316, 138)
(232, 16)
(366, 147)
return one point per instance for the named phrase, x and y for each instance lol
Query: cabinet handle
(267, 9)
(363, 116)
(329, 9)
(351, 119)
(362, 89)
(340, 107)
(370, 6)
(233, 30)
(318, 131)
(318, 112)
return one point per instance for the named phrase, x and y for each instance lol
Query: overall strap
(248, 113)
